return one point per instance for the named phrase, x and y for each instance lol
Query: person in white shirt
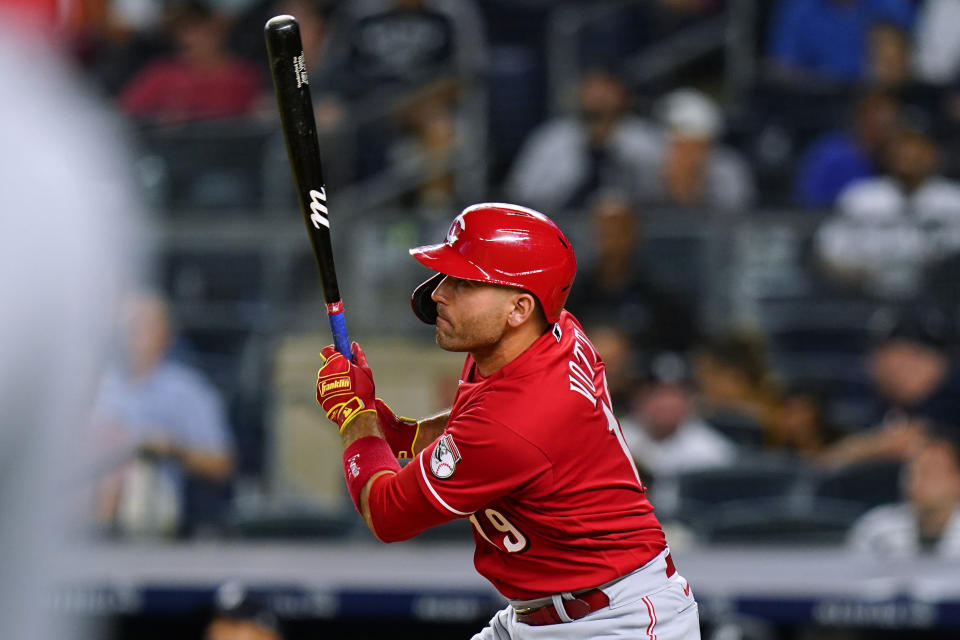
(889, 227)
(694, 170)
(569, 158)
(936, 48)
(928, 521)
(665, 435)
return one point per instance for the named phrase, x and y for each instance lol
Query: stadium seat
(690, 497)
(775, 521)
(293, 523)
(862, 486)
(205, 166)
(212, 275)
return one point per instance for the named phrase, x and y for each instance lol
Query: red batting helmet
(500, 244)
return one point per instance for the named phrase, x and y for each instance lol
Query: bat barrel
(287, 66)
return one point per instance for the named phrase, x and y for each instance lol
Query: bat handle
(338, 326)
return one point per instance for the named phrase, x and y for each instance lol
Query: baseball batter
(530, 452)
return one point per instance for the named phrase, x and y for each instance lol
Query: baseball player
(530, 452)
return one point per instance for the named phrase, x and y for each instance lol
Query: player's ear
(524, 306)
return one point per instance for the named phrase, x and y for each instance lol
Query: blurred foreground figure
(68, 221)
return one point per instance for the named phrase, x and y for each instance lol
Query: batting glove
(345, 389)
(399, 432)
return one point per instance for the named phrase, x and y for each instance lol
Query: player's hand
(399, 432)
(345, 389)
(158, 449)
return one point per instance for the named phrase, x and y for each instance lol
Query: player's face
(471, 316)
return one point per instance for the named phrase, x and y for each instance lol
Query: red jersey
(534, 457)
(174, 90)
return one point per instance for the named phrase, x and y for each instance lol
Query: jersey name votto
(584, 360)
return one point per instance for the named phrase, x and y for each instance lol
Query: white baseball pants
(645, 605)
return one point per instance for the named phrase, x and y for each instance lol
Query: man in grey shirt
(168, 417)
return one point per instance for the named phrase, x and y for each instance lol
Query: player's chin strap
(422, 304)
(558, 599)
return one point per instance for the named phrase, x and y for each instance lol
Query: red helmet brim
(446, 260)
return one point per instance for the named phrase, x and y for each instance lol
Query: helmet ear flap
(423, 306)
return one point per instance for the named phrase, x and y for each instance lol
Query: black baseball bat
(285, 52)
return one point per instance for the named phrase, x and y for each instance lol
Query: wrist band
(364, 458)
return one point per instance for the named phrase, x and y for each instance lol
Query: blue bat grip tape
(338, 325)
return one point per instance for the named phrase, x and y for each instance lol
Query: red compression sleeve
(398, 508)
(364, 458)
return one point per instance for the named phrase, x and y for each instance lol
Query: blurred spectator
(911, 365)
(664, 433)
(889, 68)
(131, 35)
(202, 80)
(239, 615)
(569, 158)
(313, 18)
(619, 359)
(928, 521)
(736, 390)
(693, 168)
(389, 61)
(431, 158)
(799, 422)
(888, 227)
(888, 56)
(836, 159)
(915, 381)
(936, 48)
(166, 424)
(139, 15)
(828, 39)
(403, 44)
(612, 287)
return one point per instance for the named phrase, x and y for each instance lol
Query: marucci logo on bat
(318, 210)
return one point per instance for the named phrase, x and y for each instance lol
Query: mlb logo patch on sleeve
(445, 457)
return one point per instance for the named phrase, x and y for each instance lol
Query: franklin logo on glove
(333, 385)
(344, 388)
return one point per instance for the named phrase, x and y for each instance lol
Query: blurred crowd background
(764, 198)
